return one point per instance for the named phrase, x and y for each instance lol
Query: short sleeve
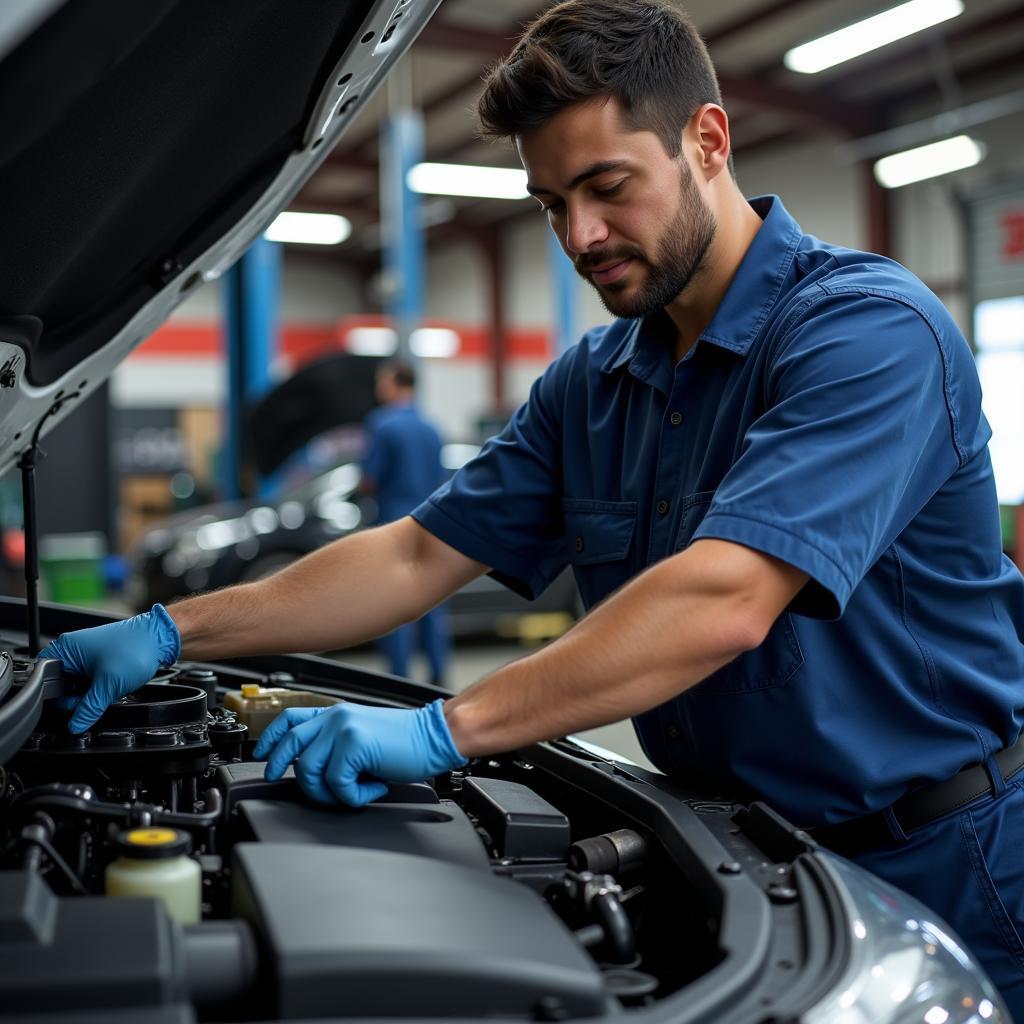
(858, 434)
(502, 508)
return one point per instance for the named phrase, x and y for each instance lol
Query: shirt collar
(748, 300)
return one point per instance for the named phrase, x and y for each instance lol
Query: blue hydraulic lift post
(403, 238)
(252, 292)
(565, 283)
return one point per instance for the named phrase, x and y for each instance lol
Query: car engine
(473, 893)
(149, 871)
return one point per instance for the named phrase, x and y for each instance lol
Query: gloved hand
(349, 752)
(118, 657)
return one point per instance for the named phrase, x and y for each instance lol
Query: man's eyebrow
(591, 172)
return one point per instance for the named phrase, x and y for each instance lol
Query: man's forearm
(660, 634)
(348, 592)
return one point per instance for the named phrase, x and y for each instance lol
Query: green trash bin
(71, 567)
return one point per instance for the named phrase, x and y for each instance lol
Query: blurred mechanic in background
(401, 469)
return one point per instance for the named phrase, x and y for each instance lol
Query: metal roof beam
(811, 107)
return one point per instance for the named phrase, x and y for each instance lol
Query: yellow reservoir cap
(153, 843)
(251, 689)
(151, 836)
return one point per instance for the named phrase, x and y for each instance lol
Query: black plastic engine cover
(373, 934)
(440, 831)
(121, 959)
(521, 823)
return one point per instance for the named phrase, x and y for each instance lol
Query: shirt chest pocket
(600, 538)
(772, 664)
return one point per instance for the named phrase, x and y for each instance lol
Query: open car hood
(145, 146)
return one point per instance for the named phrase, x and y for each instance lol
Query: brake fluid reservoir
(155, 862)
(257, 706)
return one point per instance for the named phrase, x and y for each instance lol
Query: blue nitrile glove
(349, 752)
(118, 657)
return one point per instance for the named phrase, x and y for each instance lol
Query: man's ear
(709, 128)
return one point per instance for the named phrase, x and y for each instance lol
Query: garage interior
(474, 289)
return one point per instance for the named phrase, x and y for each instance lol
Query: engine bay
(550, 884)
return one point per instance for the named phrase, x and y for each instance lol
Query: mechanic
(770, 475)
(402, 468)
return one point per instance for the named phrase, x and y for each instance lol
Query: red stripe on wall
(302, 342)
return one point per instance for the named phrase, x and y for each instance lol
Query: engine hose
(618, 929)
(35, 836)
(68, 799)
(610, 853)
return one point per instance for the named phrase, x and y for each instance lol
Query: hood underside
(145, 146)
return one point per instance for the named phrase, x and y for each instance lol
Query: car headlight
(905, 966)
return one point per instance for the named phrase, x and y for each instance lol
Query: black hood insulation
(135, 136)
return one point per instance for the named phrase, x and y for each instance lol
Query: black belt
(920, 807)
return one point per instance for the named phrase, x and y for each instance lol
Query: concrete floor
(473, 662)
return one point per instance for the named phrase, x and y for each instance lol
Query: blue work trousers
(969, 868)
(434, 640)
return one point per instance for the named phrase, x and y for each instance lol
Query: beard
(679, 257)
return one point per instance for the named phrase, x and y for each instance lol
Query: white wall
(456, 284)
(825, 195)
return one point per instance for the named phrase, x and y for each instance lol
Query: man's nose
(583, 231)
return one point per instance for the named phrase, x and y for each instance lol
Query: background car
(237, 542)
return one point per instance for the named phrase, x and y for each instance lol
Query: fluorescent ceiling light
(465, 180)
(870, 34)
(309, 228)
(928, 161)
(434, 342)
(372, 341)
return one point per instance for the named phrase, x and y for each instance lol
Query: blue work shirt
(829, 416)
(403, 458)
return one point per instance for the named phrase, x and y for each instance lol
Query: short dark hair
(645, 53)
(399, 371)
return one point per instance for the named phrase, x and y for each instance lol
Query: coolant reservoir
(155, 862)
(257, 706)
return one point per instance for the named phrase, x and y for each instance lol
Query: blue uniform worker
(401, 467)
(830, 416)
(771, 471)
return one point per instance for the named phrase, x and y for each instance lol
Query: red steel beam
(750, 20)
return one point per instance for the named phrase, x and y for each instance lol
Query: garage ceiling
(972, 57)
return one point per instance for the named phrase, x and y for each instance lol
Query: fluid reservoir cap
(251, 689)
(153, 843)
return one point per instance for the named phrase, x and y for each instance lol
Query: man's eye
(556, 205)
(607, 193)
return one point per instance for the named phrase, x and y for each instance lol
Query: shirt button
(663, 507)
(673, 732)
(579, 544)
(675, 419)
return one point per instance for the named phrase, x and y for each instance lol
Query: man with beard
(770, 476)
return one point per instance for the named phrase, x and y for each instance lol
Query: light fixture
(466, 180)
(434, 342)
(869, 34)
(928, 161)
(309, 228)
(372, 341)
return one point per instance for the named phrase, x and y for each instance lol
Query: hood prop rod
(27, 465)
